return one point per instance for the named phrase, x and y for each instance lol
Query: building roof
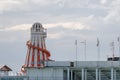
(81, 64)
(5, 68)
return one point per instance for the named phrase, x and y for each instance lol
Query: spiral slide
(38, 48)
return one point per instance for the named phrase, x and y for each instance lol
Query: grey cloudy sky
(66, 21)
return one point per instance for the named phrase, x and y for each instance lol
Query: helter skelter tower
(37, 53)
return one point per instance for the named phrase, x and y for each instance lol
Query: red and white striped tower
(37, 53)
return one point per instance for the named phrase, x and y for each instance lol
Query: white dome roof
(37, 25)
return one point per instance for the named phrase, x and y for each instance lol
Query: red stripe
(38, 58)
(28, 57)
(32, 63)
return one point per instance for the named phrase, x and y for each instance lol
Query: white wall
(4, 73)
(45, 73)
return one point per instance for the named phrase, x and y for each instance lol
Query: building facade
(4, 70)
(84, 70)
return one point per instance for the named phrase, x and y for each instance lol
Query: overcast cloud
(66, 21)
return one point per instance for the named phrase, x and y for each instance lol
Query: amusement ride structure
(37, 53)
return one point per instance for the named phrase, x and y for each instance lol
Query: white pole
(76, 51)
(75, 78)
(113, 51)
(96, 73)
(119, 52)
(54, 74)
(112, 74)
(85, 50)
(98, 52)
(85, 74)
(68, 74)
(119, 49)
(71, 74)
(84, 42)
(99, 74)
(98, 56)
(112, 46)
(82, 73)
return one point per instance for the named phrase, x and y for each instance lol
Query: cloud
(7, 5)
(103, 1)
(27, 5)
(113, 15)
(68, 25)
(17, 27)
(55, 35)
(52, 35)
(31, 5)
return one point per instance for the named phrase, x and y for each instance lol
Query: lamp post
(84, 42)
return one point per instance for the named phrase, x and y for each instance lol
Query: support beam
(75, 77)
(96, 73)
(83, 76)
(112, 74)
(71, 74)
(68, 74)
(54, 70)
(99, 74)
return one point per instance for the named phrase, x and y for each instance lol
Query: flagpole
(85, 50)
(76, 51)
(98, 55)
(119, 49)
(84, 42)
(85, 55)
(98, 52)
(113, 54)
(113, 51)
